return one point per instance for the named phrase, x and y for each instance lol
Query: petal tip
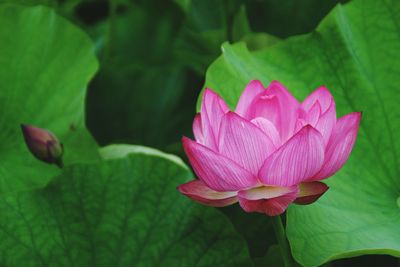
(308, 128)
(230, 115)
(208, 92)
(186, 142)
(276, 82)
(185, 139)
(311, 192)
(255, 83)
(183, 188)
(324, 89)
(211, 92)
(354, 117)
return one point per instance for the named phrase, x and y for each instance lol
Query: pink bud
(43, 144)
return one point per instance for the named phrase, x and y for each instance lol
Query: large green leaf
(121, 212)
(354, 52)
(46, 64)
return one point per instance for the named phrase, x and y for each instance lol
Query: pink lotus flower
(271, 151)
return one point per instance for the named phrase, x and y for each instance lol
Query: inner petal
(269, 129)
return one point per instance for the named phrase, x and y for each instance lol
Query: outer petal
(243, 142)
(271, 207)
(197, 129)
(253, 89)
(269, 129)
(340, 145)
(200, 192)
(310, 192)
(298, 159)
(217, 171)
(213, 108)
(267, 192)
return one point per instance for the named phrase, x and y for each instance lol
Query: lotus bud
(43, 144)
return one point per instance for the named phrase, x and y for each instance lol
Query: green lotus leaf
(124, 211)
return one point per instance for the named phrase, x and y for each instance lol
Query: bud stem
(283, 242)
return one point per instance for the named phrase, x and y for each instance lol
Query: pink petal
(213, 108)
(265, 106)
(266, 192)
(310, 192)
(244, 142)
(216, 170)
(322, 95)
(326, 122)
(300, 123)
(253, 89)
(271, 207)
(288, 106)
(269, 129)
(312, 116)
(340, 145)
(277, 105)
(298, 159)
(197, 130)
(200, 192)
(327, 118)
